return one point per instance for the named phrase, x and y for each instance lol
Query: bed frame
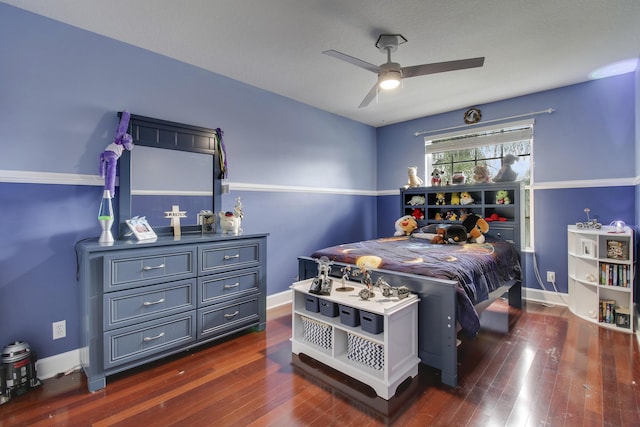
(437, 323)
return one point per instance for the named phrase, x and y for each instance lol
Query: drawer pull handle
(235, 285)
(228, 257)
(147, 339)
(148, 303)
(147, 267)
(229, 316)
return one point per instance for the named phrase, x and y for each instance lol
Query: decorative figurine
(321, 284)
(346, 272)
(175, 214)
(589, 223)
(230, 222)
(414, 180)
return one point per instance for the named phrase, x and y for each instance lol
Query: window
(458, 153)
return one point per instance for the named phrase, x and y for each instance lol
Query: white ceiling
(276, 45)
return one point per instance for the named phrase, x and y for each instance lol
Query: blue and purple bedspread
(477, 268)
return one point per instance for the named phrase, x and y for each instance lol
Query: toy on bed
(442, 234)
(465, 198)
(405, 225)
(436, 177)
(481, 174)
(414, 180)
(502, 197)
(476, 227)
(455, 198)
(440, 199)
(506, 173)
(111, 154)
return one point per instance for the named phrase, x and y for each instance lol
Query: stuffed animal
(417, 213)
(230, 222)
(476, 227)
(414, 180)
(417, 200)
(495, 217)
(451, 234)
(455, 198)
(502, 197)
(481, 174)
(405, 225)
(111, 154)
(438, 216)
(440, 199)
(506, 174)
(436, 177)
(465, 198)
(451, 216)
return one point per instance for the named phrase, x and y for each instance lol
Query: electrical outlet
(551, 276)
(59, 329)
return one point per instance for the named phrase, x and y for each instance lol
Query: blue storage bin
(371, 322)
(328, 308)
(311, 303)
(349, 316)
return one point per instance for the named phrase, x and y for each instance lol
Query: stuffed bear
(506, 174)
(440, 199)
(465, 198)
(455, 198)
(414, 180)
(417, 213)
(405, 225)
(481, 174)
(502, 197)
(476, 227)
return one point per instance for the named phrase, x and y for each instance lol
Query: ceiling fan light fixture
(389, 76)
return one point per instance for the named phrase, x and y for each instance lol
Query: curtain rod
(535, 113)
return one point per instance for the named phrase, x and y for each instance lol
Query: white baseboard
(545, 297)
(51, 366)
(59, 363)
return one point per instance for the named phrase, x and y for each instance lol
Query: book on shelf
(615, 275)
(607, 313)
(617, 249)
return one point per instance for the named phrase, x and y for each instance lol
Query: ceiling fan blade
(351, 60)
(367, 99)
(440, 67)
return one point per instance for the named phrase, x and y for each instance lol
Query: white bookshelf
(601, 271)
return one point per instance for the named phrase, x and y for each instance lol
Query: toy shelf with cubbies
(445, 205)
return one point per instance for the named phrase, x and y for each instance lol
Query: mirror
(170, 164)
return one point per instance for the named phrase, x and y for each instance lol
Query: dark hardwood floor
(539, 366)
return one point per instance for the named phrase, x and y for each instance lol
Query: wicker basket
(316, 333)
(365, 352)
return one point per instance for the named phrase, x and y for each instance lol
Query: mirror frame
(150, 132)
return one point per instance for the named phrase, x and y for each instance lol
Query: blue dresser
(142, 301)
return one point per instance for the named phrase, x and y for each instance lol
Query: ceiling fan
(390, 73)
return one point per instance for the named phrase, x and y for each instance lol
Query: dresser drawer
(147, 267)
(222, 287)
(224, 318)
(228, 255)
(143, 340)
(506, 233)
(124, 308)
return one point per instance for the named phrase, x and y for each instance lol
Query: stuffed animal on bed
(111, 154)
(476, 227)
(405, 225)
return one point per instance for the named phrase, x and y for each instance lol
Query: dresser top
(92, 245)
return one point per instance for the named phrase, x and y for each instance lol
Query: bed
(455, 282)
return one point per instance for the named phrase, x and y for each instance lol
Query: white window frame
(490, 135)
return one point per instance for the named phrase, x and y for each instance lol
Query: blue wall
(307, 177)
(302, 171)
